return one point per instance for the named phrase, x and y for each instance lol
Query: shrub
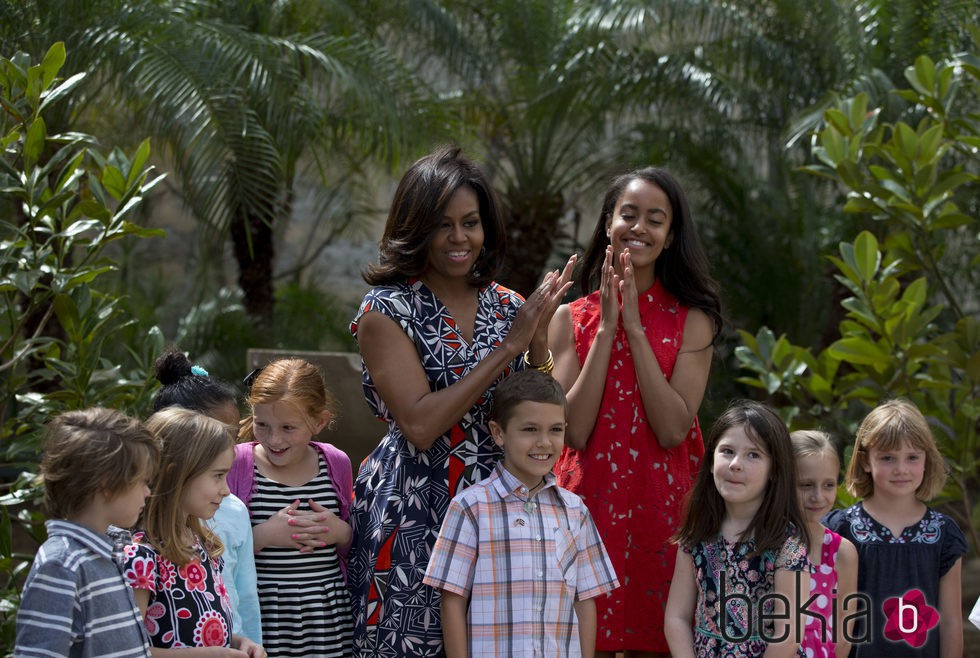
(61, 203)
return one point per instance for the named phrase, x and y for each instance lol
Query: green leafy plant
(907, 330)
(62, 202)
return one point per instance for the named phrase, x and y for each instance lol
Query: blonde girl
(908, 553)
(174, 566)
(742, 545)
(298, 492)
(833, 559)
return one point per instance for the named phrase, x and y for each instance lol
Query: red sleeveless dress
(634, 488)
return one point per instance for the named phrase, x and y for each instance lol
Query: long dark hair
(682, 269)
(417, 209)
(780, 508)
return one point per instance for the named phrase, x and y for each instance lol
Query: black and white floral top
(189, 605)
(909, 566)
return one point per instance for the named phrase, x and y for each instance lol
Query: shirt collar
(506, 483)
(97, 542)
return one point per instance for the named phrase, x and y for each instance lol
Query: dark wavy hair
(682, 269)
(780, 508)
(417, 209)
(181, 387)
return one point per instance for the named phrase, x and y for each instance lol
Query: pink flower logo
(211, 630)
(194, 574)
(909, 618)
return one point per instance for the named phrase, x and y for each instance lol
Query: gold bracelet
(546, 367)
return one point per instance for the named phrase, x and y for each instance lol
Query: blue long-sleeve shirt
(234, 527)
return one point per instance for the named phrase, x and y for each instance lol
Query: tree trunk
(253, 246)
(532, 224)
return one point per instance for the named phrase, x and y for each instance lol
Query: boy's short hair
(93, 450)
(525, 386)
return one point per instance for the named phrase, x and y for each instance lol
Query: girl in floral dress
(634, 355)
(742, 561)
(174, 566)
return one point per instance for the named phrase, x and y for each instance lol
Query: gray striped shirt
(75, 601)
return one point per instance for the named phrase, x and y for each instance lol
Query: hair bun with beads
(172, 366)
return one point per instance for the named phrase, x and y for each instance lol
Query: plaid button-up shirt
(522, 563)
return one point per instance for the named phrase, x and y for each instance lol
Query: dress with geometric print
(189, 605)
(401, 494)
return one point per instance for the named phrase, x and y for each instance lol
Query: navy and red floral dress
(401, 493)
(189, 605)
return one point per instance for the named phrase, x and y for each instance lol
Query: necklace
(530, 505)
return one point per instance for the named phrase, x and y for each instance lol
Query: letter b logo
(909, 618)
(907, 614)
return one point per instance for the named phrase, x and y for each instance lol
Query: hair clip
(199, 371)
(250, 378)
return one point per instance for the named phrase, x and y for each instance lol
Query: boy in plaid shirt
(518, 558)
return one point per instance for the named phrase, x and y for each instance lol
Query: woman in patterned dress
(634, 355)
(435, 334)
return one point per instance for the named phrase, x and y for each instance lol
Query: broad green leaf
(88, 276)
(860, 351)
(113, 182)
(951, 220)
(26, 281)
(81, 226)
(34, 143)
(32, 90)
(858, 308)
(916, 292)
(908, 141)
(973, 368)
(882, 173)
(833, 145)
(767, 341)
(860, 204)
(63, 89)
(53, 60)
(139, 160)
(67, 312)
(866, 255)
(143, 231)
(859, 112)
(72, 172)
(929, 144)
(751, 381)
(924, 75)
(94, 209)
(837, 120)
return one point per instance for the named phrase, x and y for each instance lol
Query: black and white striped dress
(304, 601)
